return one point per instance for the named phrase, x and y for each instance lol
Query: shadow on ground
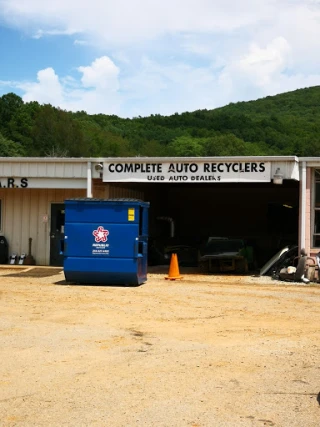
(35, 272)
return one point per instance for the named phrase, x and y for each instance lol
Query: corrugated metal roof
(139, 159)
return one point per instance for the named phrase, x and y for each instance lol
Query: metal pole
(303, 205)
(89, 180)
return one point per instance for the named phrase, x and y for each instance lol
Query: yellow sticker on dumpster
(131, 214)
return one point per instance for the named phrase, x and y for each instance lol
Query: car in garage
(223, 254)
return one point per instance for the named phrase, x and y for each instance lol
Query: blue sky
(142, 57)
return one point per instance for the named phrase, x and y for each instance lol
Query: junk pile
(295, 274)
(290, 266)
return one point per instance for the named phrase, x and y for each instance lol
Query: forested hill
(286, 124)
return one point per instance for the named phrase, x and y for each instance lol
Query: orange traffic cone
(174, 273)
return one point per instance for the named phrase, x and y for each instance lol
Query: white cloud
(81, 42)
(137, 23)
(260, 66)
(42, 33)
(165, 89)
(102, 74)
(173, 56)
(46, 90)
(123, 21)
(95, 92)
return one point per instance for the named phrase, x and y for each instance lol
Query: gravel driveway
(202, 351)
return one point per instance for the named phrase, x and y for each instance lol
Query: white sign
(193, 171)
(14, 182)
(100, 247)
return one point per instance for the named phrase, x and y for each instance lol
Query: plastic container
(106, 241)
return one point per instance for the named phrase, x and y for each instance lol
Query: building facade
(270, 201)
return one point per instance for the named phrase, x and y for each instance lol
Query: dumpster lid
(115, 200)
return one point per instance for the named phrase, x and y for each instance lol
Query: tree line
(286, 124)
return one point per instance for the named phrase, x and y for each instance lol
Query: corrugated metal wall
(100, 190)
(132, 191)
(23, 212)
(44, 169)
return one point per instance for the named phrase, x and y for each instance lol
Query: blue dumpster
(106, 241)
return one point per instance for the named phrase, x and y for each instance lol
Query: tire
(203, 267)
(242, 266)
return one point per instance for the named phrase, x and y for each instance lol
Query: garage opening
(184, 216)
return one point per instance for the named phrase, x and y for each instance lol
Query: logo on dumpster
(100, 234)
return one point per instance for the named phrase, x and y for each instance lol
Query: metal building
(268, 200)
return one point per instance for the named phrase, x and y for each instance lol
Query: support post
(303, 199)
(89, 180)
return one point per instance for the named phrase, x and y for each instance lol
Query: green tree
(55, 132)
(9, 104)
(10, 148)
(284, 124)
(186, 146)
(225, 145)
(21, 125)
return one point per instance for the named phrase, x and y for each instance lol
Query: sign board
(191, 172)
(17, 182)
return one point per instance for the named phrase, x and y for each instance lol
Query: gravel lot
(201, 351)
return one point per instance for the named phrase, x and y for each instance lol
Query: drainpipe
(89, 180)
(170, 220)
(303, 200)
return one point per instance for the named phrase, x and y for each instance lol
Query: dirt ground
(202, 351)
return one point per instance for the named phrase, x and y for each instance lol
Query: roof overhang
(152, 169)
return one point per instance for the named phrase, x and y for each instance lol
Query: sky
(140, 57)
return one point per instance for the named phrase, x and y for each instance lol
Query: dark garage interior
(264, 215)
